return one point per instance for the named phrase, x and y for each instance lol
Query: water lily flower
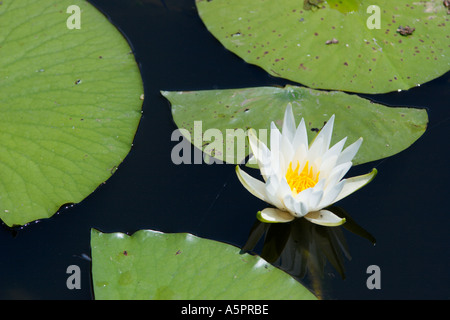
(300, 180)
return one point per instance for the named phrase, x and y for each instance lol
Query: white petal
(259, 149)
(330, 195)
(337, 174)
(284, 188)
(355, 183)
(271, 215)
(301, 136)
(272, 189)
(300, 156)
(315, 151)
(315, 198)
(254, 186)
(349, 153)
(337, 148)
(287, 152)
(325, 134)
(320, 185)
(327, 166)
(302, 201)
(330, 158)
(300, 209)
(260, 152)
(290, 205)
(275, 137)
(275, 147)
(289, 123)
(324, 218)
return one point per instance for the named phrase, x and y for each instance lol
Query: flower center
(301, 181)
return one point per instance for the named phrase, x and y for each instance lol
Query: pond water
(404, 208)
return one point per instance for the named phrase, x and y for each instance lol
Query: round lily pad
(370, 46)
(158, 266)
(69, 102)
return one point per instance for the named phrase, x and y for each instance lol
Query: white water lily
(300, 180)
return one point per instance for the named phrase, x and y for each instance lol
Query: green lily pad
(329, 45)
(154, 265)
(69, 103)
(386, 131)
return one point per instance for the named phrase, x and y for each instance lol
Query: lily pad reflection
(302, 248)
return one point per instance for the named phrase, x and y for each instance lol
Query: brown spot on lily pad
(332, 41)
(405, 31)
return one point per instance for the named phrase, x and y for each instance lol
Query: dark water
(404, 208)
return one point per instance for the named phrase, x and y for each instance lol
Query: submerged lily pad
(154, 265)
(336, 44)
(386, 131)
(69, 105)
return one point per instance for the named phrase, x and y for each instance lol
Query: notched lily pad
(289, 41)
(386, 131)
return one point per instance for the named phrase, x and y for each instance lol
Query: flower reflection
(302, 248)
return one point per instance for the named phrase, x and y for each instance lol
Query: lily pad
(385, 130)
(154, 265)
(69, 103)
(336, 44)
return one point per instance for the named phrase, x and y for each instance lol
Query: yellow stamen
(301, 181)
